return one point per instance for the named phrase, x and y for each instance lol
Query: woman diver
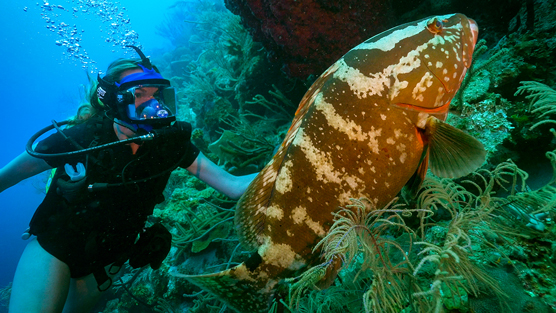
(111, 169)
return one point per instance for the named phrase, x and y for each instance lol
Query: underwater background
(482, 243)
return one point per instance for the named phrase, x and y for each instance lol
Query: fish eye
(434, 25)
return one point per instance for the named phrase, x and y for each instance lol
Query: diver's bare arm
(226, 183)
(20, 168)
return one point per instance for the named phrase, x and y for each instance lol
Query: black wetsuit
(92, 230)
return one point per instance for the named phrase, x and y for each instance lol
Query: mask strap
(144, 60)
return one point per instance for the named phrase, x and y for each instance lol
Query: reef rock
(309, 35)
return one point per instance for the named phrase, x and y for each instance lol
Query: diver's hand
(216, 177)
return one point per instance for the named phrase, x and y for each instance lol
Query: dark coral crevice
(310, 35)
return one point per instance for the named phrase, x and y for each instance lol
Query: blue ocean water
(40, 83)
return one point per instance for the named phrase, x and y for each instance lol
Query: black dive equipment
(154, 242)
(152, 115)
(179, 131)
(151, 248)
(81, 150)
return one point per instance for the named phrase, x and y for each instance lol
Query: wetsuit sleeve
(56, 143)
(192, 153)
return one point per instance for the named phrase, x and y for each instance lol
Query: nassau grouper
(370, 124)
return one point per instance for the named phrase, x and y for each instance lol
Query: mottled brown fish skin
(358, 133)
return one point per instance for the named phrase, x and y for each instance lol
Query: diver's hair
(90, 105)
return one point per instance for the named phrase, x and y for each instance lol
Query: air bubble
(111, 15)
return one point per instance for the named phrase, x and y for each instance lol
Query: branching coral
(163, 306)
(279, 105)
(208, 303)
(227, 57)
(454, 270)
(359, 235)
(475, 68)
(254, 136)
(241, 150)
(543, 99)
(199, 225)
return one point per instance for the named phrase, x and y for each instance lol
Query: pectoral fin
(452, 152)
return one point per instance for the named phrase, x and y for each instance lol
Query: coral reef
(441, 251)
(489, 107)
(313, 35)
(542, 97)
(224, 83)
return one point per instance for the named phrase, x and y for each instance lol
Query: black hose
(50, 156)
(167, 131)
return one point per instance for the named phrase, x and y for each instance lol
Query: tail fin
(240, 289)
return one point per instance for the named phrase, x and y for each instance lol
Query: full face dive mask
(144, 99)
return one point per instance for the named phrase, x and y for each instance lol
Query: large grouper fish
(370, 124)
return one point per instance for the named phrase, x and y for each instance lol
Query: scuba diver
(112, 166)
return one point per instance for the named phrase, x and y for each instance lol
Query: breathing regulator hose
(180, 130)
(81, 150)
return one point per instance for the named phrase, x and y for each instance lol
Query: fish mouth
(474, 30)
(411, 107)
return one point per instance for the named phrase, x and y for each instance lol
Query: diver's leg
(41, 282)
(83, 295)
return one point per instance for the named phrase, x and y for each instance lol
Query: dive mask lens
(152, 109)
(151, 103)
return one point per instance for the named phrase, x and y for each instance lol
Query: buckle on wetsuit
(103, 281)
